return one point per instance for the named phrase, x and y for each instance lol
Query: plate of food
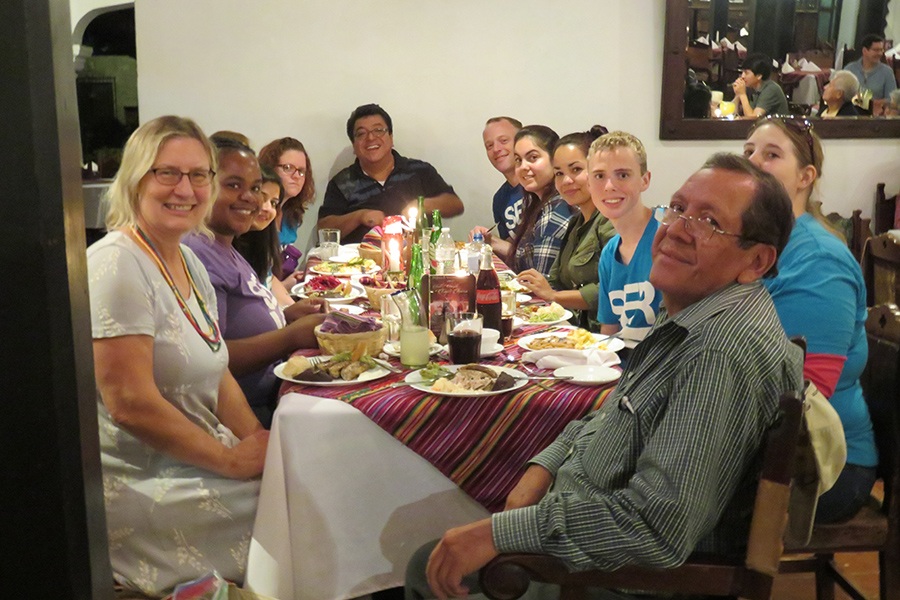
(393, 349)
(331, 288)
(588, 375)
(549, 314)
(570, 339)
(522, 298)
(350, 309)
(465, 381)
(354, 266)
(509, 282)
(328, 371)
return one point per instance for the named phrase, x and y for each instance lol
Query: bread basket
(334, 343)
(370, 251)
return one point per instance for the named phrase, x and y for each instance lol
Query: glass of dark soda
(464, 337)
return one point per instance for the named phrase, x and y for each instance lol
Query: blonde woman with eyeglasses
(819, 294)
(182, 453)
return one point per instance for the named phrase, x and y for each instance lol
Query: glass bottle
(416, 268)
(487, 291)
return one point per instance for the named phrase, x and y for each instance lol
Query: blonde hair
(140, 152)
(620, 139)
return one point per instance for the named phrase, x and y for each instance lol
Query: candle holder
(392, 245)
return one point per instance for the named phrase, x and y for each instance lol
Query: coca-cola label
(487, 296)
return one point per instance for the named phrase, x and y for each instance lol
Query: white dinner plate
(567, 314)
(356, 291)
(370, 375)
(601, 341)
(351, 309)
(492, 351)
(393, 349)
(349, 272)
(522, 298)
(588, 375)
(417, 376)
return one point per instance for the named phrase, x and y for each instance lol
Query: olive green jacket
(576, 266)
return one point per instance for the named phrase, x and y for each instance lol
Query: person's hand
(301, 308)
(461, 551)
(292, 279)
(740, 87)
(301, 331)
(483, 230)
(246, 460)
(371, 218)
(537, 284)
(531, 488)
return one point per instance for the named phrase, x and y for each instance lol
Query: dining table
(359, 476)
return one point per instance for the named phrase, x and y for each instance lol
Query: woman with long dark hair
(537, 239)
(287, 158)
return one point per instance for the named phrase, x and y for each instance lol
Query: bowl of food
(370, 251)
(377, 288)
(343, 332)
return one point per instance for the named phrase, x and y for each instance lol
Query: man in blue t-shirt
(499, 139)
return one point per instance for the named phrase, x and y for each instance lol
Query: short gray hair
(846, 82)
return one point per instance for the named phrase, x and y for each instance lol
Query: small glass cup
(329, 243)
(507, 314)
(390, 316)
(464, 339)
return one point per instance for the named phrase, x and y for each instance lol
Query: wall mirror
(682, 16)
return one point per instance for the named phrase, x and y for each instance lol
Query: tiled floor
(860, 568)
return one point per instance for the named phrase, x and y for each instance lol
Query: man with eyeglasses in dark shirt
(668, 465)
(381, 182)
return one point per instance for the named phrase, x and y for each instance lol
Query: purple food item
(340, 322)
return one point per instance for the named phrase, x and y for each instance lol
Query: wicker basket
(375, 294)
(373, 253)
(333, 343)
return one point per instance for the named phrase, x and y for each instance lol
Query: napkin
(811, 67)
(786, 68)
(744, 32)
(726, 43)
(740, 47)
(703, 39)
(563, 357)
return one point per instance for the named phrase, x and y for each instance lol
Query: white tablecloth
(343, 505)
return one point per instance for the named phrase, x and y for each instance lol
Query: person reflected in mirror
(617, 177)
(873, 75)
(892, 108)
(819, 294)
(258, 331)
(838, 95)
(181, 451)
(697, 100)
(380, 182)
(536, 240)
(499, 141)
(755, 92)
(572, 282)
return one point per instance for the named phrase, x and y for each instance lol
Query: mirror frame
(673, 125)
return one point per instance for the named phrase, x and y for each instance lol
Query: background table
(358, 477)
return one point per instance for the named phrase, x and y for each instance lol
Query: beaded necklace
(212, 339)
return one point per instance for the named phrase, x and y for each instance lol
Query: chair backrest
(881, 388)
(881, 269)
(855, 230)
(885, 210)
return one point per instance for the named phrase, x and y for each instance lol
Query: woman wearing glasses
(181, 450)
(258, 331)
(537, 239)
(288, 159)
(572, 282)
(819, 294)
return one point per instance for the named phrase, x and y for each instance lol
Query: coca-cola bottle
(487, 291)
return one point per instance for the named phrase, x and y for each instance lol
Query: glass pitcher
(415, 339)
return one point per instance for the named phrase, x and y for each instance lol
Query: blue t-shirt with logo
(507, 208)
(626, 295)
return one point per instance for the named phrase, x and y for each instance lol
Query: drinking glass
(390, 316)
(508, 313)
(329, 243)
(464, 339)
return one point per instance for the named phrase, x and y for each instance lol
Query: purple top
(246, 307)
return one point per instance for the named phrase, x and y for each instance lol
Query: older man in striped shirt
(667, 466)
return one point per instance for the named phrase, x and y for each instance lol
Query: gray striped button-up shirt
(668, 465)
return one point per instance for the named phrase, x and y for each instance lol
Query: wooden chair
(698, 59)
(507, 576)
(877, 526)
(885, 211)
(855, 230)
(881, 269)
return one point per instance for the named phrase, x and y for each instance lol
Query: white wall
(282, 67)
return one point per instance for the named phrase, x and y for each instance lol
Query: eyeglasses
(170, 176)
(801, 125)
(701, 228)
(290, 169)
(376, 133)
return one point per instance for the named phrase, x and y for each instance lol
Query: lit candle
(393, 255)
